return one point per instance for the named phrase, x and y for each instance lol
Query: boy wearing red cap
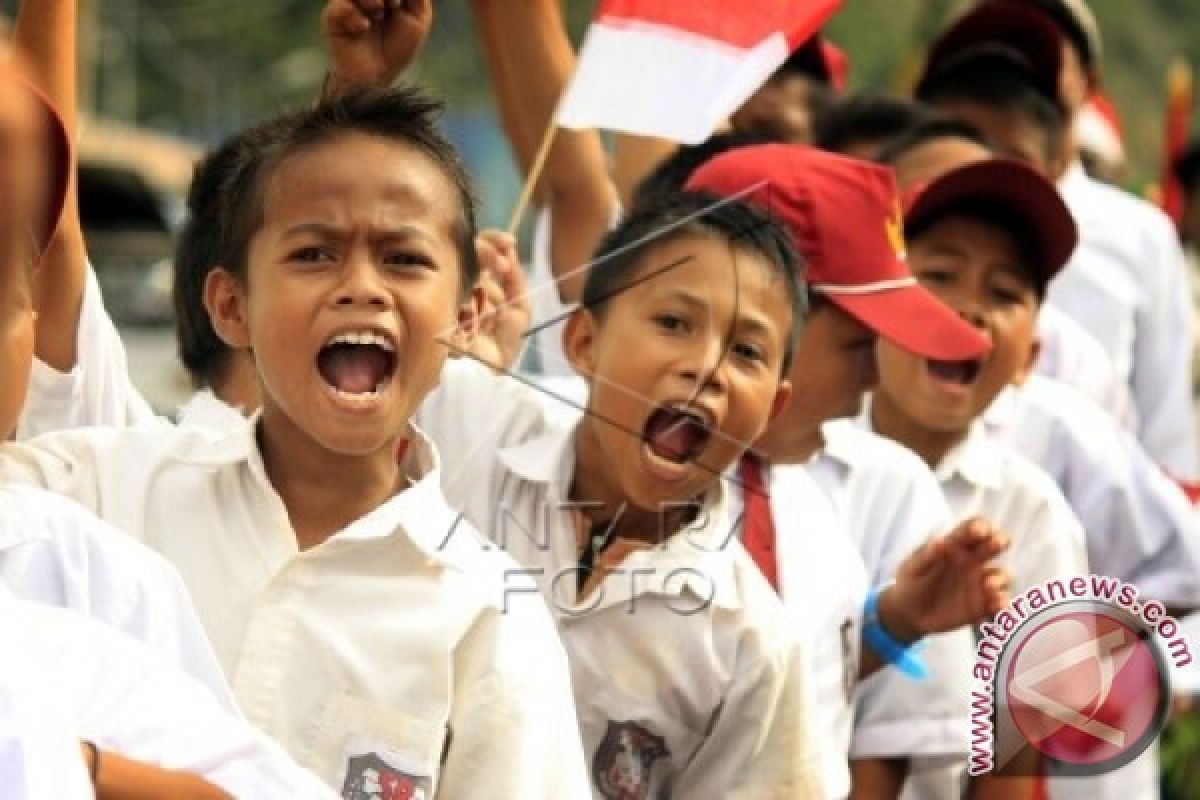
(1001, 67)
(844, 214)
(986, 238)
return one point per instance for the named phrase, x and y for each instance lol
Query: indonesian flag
(676, 69)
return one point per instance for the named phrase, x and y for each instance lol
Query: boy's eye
(749, 352)
(937, 277)
(1007, 296)
(406, 259)
(312, 255)
(671, 323)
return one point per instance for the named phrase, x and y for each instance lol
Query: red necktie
(758, 526)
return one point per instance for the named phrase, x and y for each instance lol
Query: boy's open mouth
(676, 434)
(961, 373)
(357, 364)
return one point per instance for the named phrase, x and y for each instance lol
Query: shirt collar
(206, 410)
(699, 558)
(419, 512)
(974, 459)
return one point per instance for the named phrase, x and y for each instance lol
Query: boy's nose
(973, 315)
(361, 284)
(705, 366)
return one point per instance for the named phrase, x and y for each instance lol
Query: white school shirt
(38, 758)
(56, 553)
(1068, 353)
(1139, 526)
(96, 391)
(1127, 284)
(689, 681)
(546, 303)
(72, 678)
(892, 505)
(382, 643)
(983, 478)
(823, 585)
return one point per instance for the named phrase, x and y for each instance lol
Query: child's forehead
(363, 175)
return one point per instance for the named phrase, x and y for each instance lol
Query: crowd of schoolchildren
(705, 496)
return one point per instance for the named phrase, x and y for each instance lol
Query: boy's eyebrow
(328, 229)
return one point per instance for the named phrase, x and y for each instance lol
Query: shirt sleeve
(79, 562)
(1162, 363)
(471, 414)
(1140, 527)
(513, 729)
(147, 710)
(96, 391)
(1049, 543)
(763, 741)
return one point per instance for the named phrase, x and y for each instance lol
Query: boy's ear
(1035, 349)
(466, 326)
(225, 302)
(783, 396)
(579, 342)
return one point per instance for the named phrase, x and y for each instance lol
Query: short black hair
(1007, 221)
(620, 257)
(1187, 167)
(1001, 84)
(866, 117)
(930, 129)
(202, 245)
(671, 174)
(405, 115)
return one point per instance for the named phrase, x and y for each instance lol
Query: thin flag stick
(535, 173)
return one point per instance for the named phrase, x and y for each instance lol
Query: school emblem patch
(623, 766)
(369, 777)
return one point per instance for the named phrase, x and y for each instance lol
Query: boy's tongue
(356, 369)
(673, 435)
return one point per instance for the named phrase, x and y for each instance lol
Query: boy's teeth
(362, 337)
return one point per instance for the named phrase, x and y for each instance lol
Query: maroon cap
(845, 216)
(994, 31)
(1020, 192)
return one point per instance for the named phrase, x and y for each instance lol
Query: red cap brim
(912, 318)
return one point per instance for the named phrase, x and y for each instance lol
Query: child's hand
(947, 583)
(505, 313)
(372, 41)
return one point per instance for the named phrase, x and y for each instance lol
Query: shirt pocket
(634, 748)
(370, 751)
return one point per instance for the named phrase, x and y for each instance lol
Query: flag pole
(535, 173)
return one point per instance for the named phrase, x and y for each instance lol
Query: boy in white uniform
(987, 238)
(295, 531)
(368, 46)
(1138, 523)
(688, 678)
(1127, 282)
(841, 211)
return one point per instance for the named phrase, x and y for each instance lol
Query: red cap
(845, 217)
(1020, 192)
(996, 31)
(59, 151)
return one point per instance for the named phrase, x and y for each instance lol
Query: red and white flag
(677, 68)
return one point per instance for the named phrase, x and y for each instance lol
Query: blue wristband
(903, 657)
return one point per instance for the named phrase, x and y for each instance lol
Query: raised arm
(372, 41)
(45, 43)
(530, 60)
